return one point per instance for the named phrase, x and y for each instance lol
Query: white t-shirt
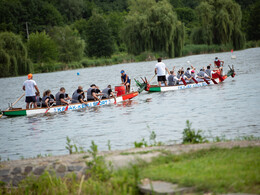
(29, 87)
(160, 69)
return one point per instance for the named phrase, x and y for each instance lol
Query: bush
(191, 136)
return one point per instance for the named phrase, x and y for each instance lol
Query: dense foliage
(65, 31)
(13, 55)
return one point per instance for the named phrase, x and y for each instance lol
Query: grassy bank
(128, 58)
(214, 170)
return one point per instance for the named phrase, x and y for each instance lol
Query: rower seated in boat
(208, 72)
(78, 96)
(92, 93)
(193, 75)
(60, 97)
(188, 73)
(107, 92)
(172, 79)
(46, 98)
(187, 80)
(201, 75)
(80, 87)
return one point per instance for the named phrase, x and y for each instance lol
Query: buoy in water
(78, 73)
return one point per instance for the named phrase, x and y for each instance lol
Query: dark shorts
(30, 99)
(161, 78)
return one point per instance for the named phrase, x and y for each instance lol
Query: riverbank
(129, 58)
(210, 167)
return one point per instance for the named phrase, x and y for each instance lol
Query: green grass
(215, 170)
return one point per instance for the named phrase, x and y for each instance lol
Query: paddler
(92, 93)
(38, 99)
(29, 86)
(172, 79)
(208, 71)
(201, 75)
(46, 99)
(160, 68)
(125, 81)
(193, 75)
(107, 92)
(60, 97)
(78, 96)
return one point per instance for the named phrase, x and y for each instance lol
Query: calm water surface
(230, 108)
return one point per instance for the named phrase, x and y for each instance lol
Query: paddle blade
(184, 82)
(214, 81)
(47, 110)
(98, 103)
(206, 81)
(67, 107)
(194, 80)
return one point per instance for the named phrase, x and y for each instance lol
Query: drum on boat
(120, 90)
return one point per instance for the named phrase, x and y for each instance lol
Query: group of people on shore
(187, 76)
(33, 98)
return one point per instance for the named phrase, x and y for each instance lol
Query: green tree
(153, 26)
(38, 14)
(99, 39)
(81, 27)
(220, 23)
(70, 45)
(254, 22)
(13, 55)
(41, 48)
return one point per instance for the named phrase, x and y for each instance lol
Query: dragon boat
(62, 108)
(216, 78)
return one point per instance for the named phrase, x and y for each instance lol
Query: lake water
(230, 108)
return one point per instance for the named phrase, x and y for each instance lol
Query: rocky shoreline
(12, 172)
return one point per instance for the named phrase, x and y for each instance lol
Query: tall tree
(99, 39)
(13, 55)
(70, 45)
(153, 26)
(220, 23)
(42, 48)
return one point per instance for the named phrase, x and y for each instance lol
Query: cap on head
(192, 71)
(122, 71)
(30, 76)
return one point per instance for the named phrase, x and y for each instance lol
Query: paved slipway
(12, 172)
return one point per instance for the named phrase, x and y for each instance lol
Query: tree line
(46, 31)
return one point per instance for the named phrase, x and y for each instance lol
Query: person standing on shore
(160, 69)
(30, 86)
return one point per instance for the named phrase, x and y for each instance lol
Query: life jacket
(217, 63)
(75, 97)
(208, 72)
(171, 80)
(43, 101)
(57, 96)
(187, 74)
(124, 78)
(105, 92)
(89, 94)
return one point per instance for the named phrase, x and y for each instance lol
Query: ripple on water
(230, 108)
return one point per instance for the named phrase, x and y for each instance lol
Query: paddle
(66, 107)
(48, 109)
(13, 104)
(152, 78)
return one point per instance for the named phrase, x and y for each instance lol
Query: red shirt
(217, 63)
